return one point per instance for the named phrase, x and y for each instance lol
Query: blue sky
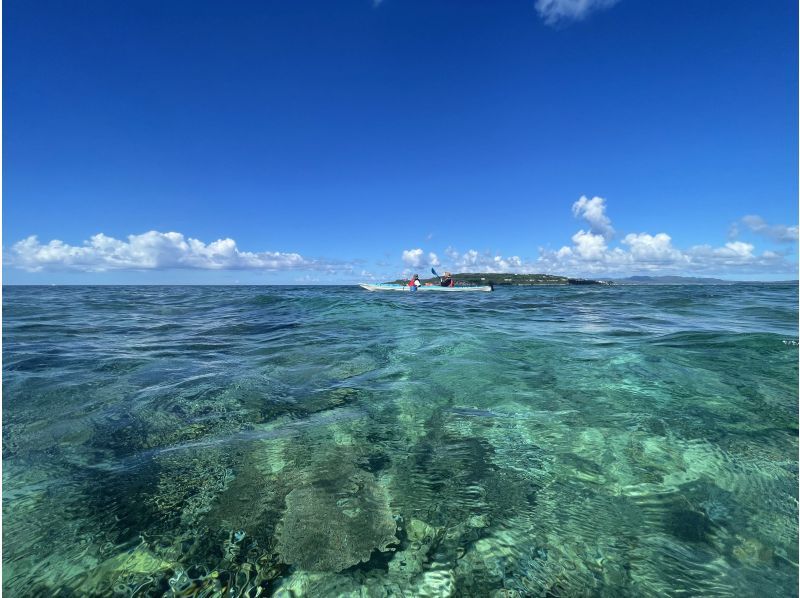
(319, 141)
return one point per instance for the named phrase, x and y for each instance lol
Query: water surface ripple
(326, 441)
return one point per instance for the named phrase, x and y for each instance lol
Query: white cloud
(588, 245)
(780, 233)
(152, 250)
(413, 257)
(594, 212)
(737, 249)
(590, 255)
(474, 261)
(652, 248)
(556, 11)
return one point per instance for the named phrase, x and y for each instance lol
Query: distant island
(502, 279)
(524, 280)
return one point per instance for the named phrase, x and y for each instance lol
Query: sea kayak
(423, 288)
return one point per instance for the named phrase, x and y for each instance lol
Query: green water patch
(309, 442)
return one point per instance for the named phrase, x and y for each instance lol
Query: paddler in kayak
(414, 283)
(447, 280)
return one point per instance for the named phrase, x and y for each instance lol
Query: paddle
(440, 278)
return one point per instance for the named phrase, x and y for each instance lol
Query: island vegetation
(506, 279)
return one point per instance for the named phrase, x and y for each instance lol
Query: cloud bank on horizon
(590, 254)
(638, 253)
(152, 250)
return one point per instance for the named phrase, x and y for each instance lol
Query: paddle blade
(434, 272)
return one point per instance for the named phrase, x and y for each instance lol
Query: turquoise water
(318, 441)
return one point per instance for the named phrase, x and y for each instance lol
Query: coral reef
(336, 523)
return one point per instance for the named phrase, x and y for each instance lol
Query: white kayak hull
(424, 288)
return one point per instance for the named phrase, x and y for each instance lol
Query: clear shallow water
(562, 441)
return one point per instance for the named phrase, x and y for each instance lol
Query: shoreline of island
(524, 280)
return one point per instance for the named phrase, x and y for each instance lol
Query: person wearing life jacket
(447, 280)
(414, 283)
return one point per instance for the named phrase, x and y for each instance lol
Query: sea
(550, 441)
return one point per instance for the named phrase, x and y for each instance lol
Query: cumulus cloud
(594, 212)
(152, 250)
(414, 258)
(779, 233)
(591, 253)
(559, 11)
(475, 261)
(652, 249)
(589, 246)
(643, 252)
(639, 253)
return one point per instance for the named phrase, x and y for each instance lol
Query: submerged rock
(336, 523)
(419, 531)
(124, 570)
(750, 551)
